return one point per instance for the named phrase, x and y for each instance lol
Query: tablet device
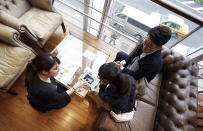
(91, 79)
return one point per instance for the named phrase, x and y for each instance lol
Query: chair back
(15, 7)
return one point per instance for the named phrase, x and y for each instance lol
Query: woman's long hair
(112, 73)
(42, 62)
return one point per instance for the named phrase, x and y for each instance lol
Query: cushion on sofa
(152, 91)
(139, 122)
(12, 60)
(157, 80)
(41, 22)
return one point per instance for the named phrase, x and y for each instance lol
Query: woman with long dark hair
(116, 88)
(43, 92)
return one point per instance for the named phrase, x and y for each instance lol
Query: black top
(46, 96)
(149, 65)
(119, 104)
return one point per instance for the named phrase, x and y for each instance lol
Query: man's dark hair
(160, 35)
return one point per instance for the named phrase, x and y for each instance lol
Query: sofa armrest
(11, 21)
(11, 36)
(8, 34)
(43, 4)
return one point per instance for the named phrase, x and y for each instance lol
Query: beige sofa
(14, 57)
(36, 20)
(170, 102)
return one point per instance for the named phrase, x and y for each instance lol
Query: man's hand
(119, 63)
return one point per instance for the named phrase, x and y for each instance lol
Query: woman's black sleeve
(57, 99)
(105, 95)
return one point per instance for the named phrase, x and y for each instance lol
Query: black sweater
(119, 104)
(46, 96)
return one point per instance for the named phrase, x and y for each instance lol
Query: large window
(131, 20)
(124, 23)
(89, 16)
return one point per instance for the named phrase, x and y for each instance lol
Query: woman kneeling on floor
(43, 92)
(118, 90)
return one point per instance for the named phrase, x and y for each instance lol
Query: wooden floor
(79, 115)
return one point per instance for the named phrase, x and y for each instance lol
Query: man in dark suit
(146, 60)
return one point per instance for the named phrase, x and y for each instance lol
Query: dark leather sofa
(170, 102)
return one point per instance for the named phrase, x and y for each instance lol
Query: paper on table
(90, 55)
(66, 74)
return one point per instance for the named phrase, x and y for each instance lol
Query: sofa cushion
(152, 91)
(140, 121)
(157, 80)
(141, 85)
(42, 23)
(12, 60)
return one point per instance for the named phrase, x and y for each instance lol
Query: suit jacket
(149, 65)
